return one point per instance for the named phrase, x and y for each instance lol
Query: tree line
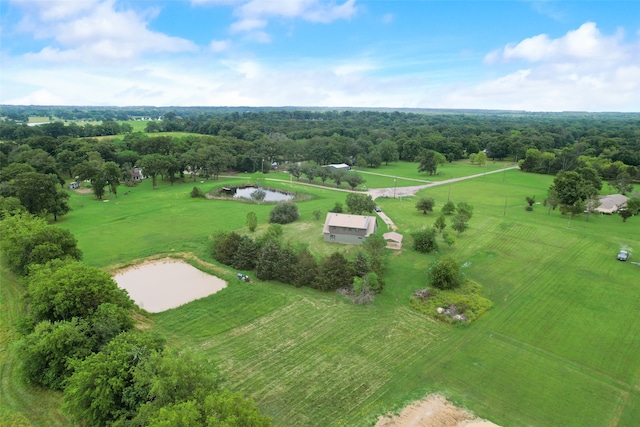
(78, 335)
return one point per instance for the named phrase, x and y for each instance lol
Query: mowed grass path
(558, 348)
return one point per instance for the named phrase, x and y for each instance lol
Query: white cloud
(253, 15)
(219, 45)
(93, 31)
(582, 70)
(586, 43)
(353, 68)
(248, 24)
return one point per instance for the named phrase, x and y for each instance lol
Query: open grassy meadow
(559, 347)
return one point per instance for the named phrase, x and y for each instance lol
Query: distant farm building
(74, 185)
(349, 229)
(612, 203)
(341, 166)
(136, 174)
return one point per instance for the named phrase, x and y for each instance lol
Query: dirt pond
(167, 283)
(433, 411)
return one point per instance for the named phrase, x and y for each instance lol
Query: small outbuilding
(394, 240)
(74, 185)
(349, 229)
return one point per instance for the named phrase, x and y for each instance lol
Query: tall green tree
(64, 290)
(354, 179)
(153, 165)
(37, 192)
(460, 223)
(572, 191)
(425, 204)
(112, 176)
(389, 151)
(252, 221)
(359, 204)
(335, 272)
(26, 240)
(102, 388)
(305, 270)
(429, 160)
(375, 247)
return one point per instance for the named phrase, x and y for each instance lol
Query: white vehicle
(623, 255)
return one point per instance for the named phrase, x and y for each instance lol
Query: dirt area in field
(166, 283)
(433, 411)
(83, 191)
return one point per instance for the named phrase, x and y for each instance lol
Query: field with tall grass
(558, 348)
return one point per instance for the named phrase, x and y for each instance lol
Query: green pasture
(403, 174)
(558, 348)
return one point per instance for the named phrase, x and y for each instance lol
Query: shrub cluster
(270, 259)
(466, 301)
(284, 213)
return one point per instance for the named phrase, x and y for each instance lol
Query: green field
(558, 348)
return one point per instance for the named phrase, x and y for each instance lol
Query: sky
(533, 55)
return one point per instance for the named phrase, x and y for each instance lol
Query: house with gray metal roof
(349, 229)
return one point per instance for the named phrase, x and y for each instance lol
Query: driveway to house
(412, 190)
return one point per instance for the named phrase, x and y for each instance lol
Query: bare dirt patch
(433, 411)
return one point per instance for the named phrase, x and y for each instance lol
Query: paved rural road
(412, 190)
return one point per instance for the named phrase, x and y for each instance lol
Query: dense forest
(212, 140)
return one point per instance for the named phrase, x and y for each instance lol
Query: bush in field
(225, 246)
(466, 300)
(252, 221)
(425, 204)
(284, 213)
(196, 192)
(424, 241)
(446, 273)
(337, 208)
(449, 208)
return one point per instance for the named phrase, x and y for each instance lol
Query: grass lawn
(559, 346)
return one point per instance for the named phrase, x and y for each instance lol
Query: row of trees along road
(77, 335)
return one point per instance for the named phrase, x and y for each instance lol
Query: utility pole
(394, 186)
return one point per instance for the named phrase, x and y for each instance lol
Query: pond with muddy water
(164, 284)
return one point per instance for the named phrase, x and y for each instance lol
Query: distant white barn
(342, 166)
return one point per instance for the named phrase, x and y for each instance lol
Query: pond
(160, 285)
(270, 195)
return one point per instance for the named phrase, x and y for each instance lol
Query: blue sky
(534, 55)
